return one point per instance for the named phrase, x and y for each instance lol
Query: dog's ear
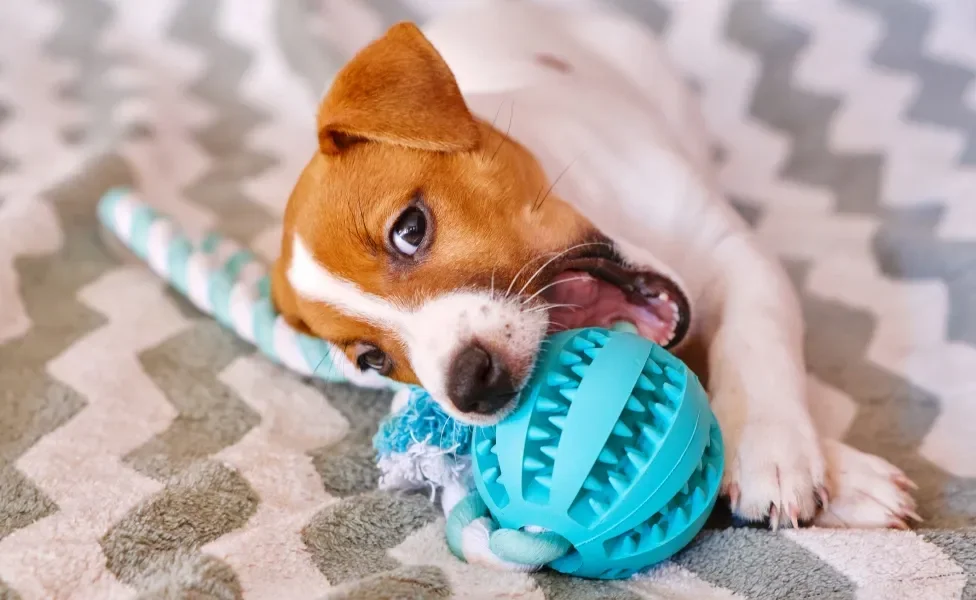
(397, 90)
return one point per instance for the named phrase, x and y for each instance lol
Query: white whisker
(517, 275)
(551, 260)
(544, 288)
(550, 307)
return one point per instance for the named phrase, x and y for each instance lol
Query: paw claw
(795, 516)
(773, 473)
(913, 515)
(902, 481)
(823, 497)
(733, 493)
(773, 517)
(898, 524)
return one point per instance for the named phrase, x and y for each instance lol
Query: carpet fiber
(145, 452)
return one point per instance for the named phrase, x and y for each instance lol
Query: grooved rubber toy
(613, 447)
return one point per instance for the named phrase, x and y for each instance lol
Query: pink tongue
(596, 303)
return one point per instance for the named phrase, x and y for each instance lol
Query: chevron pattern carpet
(146, 453)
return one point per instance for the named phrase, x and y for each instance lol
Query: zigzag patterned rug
(145, 452)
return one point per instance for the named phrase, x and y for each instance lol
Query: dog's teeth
(674, 328)
(663, 297)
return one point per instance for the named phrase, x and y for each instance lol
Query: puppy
(521, 169)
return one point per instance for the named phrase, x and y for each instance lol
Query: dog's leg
(757, 385)
(867, 491)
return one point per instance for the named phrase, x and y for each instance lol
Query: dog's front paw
(868, 492)
(775, 471)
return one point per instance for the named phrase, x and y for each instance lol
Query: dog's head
(424, 243)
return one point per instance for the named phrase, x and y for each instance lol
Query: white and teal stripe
(224, 279)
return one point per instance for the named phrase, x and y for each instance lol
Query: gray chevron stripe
(155, 547)
(211, 416)
(77, 40)
(308, 55)
(225, 139)
(854, 179)
(908, 247)
(961, 546)
(6, 163)
(23, 503)
(650, 12)
(348, 540)
(33, 402)
(393, 11)
(349, 466)
(942, 94)
(769, 566)
(893, 414)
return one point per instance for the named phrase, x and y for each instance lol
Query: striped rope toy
(226, 280)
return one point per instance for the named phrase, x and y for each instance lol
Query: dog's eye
(372, 358)
(408, 231)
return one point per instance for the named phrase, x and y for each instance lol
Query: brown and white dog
(520, 169)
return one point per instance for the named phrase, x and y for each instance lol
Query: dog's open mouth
(597, 290)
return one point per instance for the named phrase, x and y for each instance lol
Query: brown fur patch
(396, 90)
(415, 141)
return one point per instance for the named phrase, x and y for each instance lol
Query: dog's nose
(478, 382)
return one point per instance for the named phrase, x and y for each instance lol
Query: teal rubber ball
(613, 447)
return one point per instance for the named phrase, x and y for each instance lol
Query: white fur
(432, 331)
(625, 138)
(868, 492)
